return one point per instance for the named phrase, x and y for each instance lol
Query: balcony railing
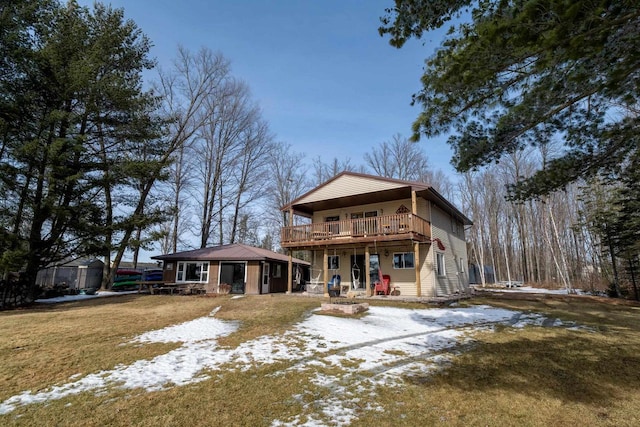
(392, 227)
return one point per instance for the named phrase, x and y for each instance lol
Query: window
(333, 228)
(193, 272)
(403, 260)
(277, 271)
(461, 265)
(440, 264)
(333, 262)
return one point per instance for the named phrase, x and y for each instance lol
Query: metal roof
(232, 252)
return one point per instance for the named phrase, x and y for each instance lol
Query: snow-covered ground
(380, 348)
(530, 290)
(69, 298)
(102, 294)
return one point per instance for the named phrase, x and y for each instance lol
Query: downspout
(367, 276)
(325, 271)
(290, 272)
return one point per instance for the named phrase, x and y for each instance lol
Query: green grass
(535, 376)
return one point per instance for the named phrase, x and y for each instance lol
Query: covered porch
(354, 270)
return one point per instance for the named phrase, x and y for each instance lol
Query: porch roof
(232, 252)
(363, 189)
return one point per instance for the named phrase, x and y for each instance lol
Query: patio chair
(316, 283)
(333, 287)
(383, 286)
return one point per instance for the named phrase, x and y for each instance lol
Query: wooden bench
(191, 289)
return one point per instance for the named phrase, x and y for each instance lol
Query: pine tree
(513, 74)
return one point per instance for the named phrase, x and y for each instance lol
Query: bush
(224, 288)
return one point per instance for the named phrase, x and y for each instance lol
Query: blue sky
(327, 83)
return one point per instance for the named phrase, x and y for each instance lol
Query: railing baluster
(388, 225)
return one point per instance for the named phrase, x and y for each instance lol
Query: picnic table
(162, 285)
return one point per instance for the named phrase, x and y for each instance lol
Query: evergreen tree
(525, 72)
(77, 129)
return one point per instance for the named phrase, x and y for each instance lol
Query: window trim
(276, 271)
(330, 265)
(182, 268)
(403, 261)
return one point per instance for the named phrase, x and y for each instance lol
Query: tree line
(540, 101)
(96, 161)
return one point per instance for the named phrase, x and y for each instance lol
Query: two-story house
(363, 227)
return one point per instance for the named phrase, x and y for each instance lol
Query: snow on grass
(80, 297)
(380, 348)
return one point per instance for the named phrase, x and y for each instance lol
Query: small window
(277, 271)
(440, 264)
(333, 262)
(403, 260)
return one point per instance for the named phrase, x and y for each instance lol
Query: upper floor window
(333, 228)
(403, 260)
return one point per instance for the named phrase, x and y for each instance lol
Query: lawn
(271, 360)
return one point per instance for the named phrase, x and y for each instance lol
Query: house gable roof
(232, 252)
(352, 189)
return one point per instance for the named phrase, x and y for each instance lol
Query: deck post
(418, 267)
(290, 272)
(367, 276)
(414, 202)
(325, 272)
(416, 245)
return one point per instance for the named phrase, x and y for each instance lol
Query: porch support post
(290, 272)
(418, 266)
(367, 277)
(291, 216)
(325, 271)
(414, 203)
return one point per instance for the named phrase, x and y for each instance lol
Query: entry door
(374, 268)
(233, 273)
(266, 267)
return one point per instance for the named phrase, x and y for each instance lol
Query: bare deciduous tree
(288, 181)
(398, 158)
(186, 90)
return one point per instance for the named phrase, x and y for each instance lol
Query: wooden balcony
(361, 230)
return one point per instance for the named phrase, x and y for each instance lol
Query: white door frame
(266, 272)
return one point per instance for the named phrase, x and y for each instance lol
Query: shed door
(266, 267)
